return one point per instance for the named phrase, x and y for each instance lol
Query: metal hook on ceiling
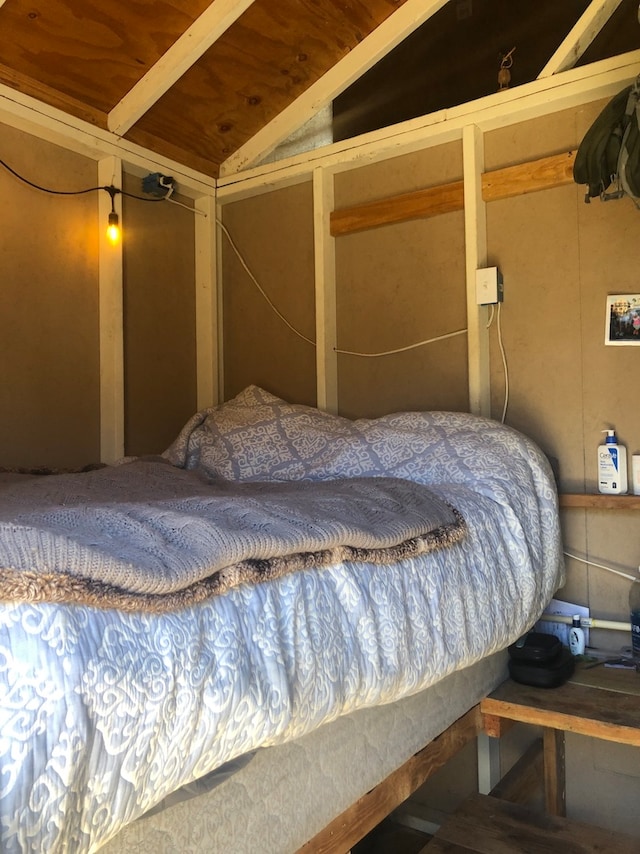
(504, 75)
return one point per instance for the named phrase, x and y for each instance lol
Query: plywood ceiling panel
(92, 51)
(276, 50)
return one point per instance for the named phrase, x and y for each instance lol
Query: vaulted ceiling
(216, 84)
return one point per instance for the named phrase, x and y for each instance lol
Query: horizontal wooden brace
(543, 174)
(421, 203)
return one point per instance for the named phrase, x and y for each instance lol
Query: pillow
(258, 436)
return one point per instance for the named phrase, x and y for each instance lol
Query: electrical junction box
(488, 286)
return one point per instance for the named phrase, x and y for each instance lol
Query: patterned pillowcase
(257, 436)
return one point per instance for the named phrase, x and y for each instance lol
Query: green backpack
(609, 154)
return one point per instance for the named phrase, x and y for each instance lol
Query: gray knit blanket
(148, 536)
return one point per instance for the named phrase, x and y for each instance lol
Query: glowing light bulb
(113, 229)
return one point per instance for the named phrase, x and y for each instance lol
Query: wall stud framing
(475, 225)
(206, 266)
(111, 320)
(325, 289)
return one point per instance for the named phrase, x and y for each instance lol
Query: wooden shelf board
(586, 710)
(600, 502)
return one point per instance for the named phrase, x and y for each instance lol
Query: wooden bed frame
(369, 810)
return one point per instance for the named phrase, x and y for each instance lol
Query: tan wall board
(396, 286)
(609, 234)
(560, 258)
(274, 234)
(574, 537)
(431, 167)
(49, 395)
(611, 541)
(159, 312)
(533, 240)
(603, 783)
(540, 137)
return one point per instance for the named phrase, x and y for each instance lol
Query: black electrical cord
(111, 189)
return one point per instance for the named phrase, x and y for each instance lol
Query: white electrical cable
(225, 231)
(182, 205)
(497, 316)
(245, 267)
(601, 566)
(402, 349)
(504, 364)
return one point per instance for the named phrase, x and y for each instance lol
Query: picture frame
(622, 321)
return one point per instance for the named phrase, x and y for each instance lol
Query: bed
(172, 684)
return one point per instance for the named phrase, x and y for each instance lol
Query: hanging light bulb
(113, 228)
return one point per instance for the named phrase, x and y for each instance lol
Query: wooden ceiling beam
(399, 25)
(582, 34)
(184, 53)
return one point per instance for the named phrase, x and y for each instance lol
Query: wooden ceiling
(200, 81)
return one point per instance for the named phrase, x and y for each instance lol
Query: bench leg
(488, 763)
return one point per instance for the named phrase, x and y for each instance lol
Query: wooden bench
(598, 702)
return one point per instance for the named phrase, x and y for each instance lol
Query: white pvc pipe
(588, 622)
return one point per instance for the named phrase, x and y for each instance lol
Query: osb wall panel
(274, 236)
(604, 783)
(402, 174)
(560, 259)
(159, 313)
(49, 394)
(399, 285)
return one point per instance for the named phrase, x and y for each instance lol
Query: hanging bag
(609, 154)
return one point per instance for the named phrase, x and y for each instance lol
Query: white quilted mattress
(287, 794)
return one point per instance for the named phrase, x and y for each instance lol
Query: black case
(536, 646)
(540, 660)
(548, 675)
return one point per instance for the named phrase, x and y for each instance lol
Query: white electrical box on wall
(488, 286)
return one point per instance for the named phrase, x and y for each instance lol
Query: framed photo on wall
(622, 323)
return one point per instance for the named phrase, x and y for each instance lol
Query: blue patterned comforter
(103, 714)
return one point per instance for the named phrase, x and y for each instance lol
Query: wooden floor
(488, 825)
(389, 837)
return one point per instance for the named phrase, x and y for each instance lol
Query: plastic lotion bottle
(576, 636)
(612, 465)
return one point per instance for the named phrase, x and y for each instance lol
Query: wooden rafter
(191, 45)
(582, 34)
(399, 25)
